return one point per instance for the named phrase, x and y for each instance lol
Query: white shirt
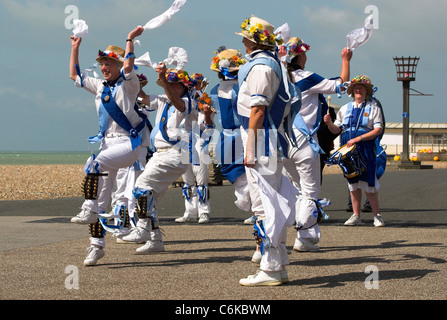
(374, 118)
(310, 100)
(258, 89)
(179, 124)
(125, 95)
(225, 89)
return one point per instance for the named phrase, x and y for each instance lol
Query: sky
(42, 110)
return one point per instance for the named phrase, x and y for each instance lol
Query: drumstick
(329, 98)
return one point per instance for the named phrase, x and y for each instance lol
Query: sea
(43, 158)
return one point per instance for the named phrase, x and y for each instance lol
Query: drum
(349, 159)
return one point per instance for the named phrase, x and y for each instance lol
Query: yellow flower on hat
(259, 31)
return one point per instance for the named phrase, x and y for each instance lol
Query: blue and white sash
(299, 123)
(286, 92)
(110, 107)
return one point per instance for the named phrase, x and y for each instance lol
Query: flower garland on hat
(297, 48)
(179, 76)
(109, 54)
(364, 80)
(232, 62)
(197, 76)
(259, 34)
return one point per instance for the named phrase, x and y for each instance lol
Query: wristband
(129, 40)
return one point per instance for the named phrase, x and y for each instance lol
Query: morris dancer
(171, 157)
(361, 122)
(122, 131)
(303, 163)
(264, 102)
(123, 202)
(229, 148)
(195, 190)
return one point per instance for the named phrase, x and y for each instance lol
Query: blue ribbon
(185, 191)
(121, 222)
(227, 73)
(78, 71)
(259, 231)
(202, 192)
(167, 111)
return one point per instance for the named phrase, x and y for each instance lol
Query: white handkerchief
(177, 57)
(80, 28)
(166, 16)
(284, 31)
(359, 37)
(145, 61)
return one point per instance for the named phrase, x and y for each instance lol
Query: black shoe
(367, 208)
(349, 208)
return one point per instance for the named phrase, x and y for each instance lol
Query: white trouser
(196, 176)
(304, 169)
(270, 168)
(274, 258)
(115, 153)
(125, 183)
(242, 193)
(160, 172)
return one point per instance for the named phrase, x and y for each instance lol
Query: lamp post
(406, 72)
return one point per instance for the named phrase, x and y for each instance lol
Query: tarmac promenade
(41, 253)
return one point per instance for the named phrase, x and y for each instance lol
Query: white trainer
(354, 220)
(86, 216)
(262, 278)
(94, 253)
(378, 221)
(305, 245)
(119, 238)
(141, 233)
(151, 246)
(204, 218)
(184, 219)
(256, 258)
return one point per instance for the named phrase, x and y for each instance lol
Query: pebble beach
(34, 182)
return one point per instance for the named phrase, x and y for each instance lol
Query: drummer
(360, 123)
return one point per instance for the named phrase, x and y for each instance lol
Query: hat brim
(369, 89)
(99, 59)
(231, 69)
(252, 40)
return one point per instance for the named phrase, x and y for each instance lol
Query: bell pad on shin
(141, 207)
(90, 185)
(96, 230)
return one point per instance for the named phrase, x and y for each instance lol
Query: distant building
(422, 136)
